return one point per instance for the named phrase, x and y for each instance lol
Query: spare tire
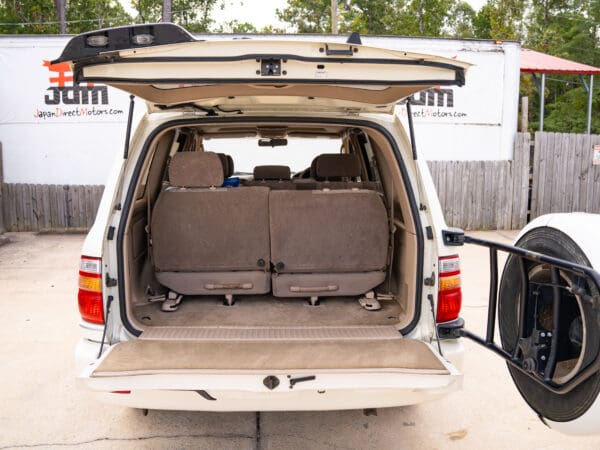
(579, 327)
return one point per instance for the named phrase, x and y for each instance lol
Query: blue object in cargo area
(231, 182)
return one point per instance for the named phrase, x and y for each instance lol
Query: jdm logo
(71, 94)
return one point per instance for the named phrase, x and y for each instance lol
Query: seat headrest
(227, 162)
(334, 167)
(272, 173)
(196, 169)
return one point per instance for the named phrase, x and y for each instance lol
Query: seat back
(335, 171)
(326, 242)
(272, 176)
(198, 227)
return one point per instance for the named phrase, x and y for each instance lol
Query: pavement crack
(258, 442)
(139, 438)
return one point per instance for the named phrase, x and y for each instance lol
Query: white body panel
(342, 390)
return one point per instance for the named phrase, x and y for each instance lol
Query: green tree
(569, 112)
(87, 15)
(500, 19)
(194, 15)
(234, 26)
(370, 16)
(307, 16)
(28, 17)
(397, 17)
(568, 29)
(148, 11)
(460, 21)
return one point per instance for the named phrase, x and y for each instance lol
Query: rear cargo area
(273, 271)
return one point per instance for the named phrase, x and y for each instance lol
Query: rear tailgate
(270, 375)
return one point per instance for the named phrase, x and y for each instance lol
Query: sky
(261, 12)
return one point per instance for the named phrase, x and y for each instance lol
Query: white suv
(320, 274)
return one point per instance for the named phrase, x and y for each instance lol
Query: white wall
(42, 143)
(79, 149)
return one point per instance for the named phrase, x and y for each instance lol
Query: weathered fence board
(473, 194)
(29, 207)
(564, 179)
(485, 194)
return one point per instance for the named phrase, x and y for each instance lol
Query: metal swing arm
(516, 360)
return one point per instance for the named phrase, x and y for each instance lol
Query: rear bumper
(296, 400)
(246, 391)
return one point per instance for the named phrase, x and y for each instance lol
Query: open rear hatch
(169, 68)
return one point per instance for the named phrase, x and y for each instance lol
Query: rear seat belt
(149, 204)
(392, 227)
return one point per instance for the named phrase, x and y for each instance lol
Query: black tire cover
(556, 407)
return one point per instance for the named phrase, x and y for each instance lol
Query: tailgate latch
(270, 67)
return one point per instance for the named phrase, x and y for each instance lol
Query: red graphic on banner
(61, 69)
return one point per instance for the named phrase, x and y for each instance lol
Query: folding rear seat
(208, 240)
(327, 242)
(274, 177)
(227, 162)
(336, 171)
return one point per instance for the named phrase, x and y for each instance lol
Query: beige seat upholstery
(327, 242)
(208, 240)
(227, 162)
(274, 177)
(335, 171)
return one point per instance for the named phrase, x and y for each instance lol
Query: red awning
(532, 61)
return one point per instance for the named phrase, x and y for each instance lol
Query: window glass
(297, 154)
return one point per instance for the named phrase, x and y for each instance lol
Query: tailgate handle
(345, 52)
(293, 381)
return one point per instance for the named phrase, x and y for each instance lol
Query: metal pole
(166, 11)
(60, 10)
(589, 109)
(524, 114)
(334, 16)
(2, 229)
(542, 100)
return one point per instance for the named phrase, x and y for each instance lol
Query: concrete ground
(40, 405)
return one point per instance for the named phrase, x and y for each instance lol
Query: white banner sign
(48, 93)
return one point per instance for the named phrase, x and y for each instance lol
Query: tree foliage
(86, 15)
(28, 17)
(307, 16)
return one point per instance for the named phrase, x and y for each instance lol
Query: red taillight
(89, 296)
(449, 290)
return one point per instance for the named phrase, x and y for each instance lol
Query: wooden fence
(474, 194)
(49, 207)
(564, 178)
(485, 194)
